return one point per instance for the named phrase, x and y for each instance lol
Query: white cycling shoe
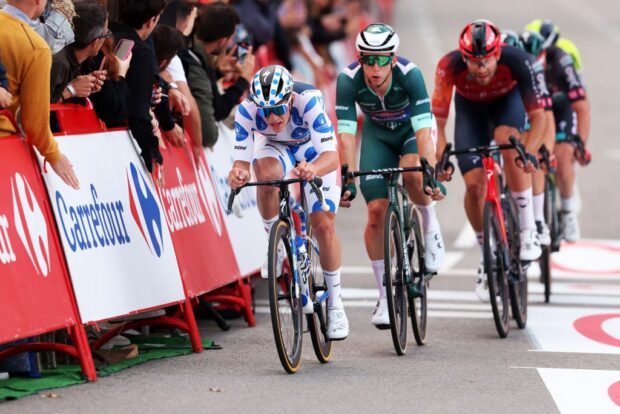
(381, 317)
(482, 286)
(264, 271)
(544, 235)
(337, 324)
(570, 226)
(530, 245)
(434, 251)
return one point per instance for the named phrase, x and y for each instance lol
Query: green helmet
(511, 38)
(532, 42)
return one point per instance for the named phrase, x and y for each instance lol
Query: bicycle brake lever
(231, 199)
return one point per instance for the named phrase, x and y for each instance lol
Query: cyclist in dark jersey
(495, 87)
(572, 116)
(397, 126)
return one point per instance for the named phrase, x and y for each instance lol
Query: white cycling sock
(378, 267)
(429, 217)
(332, 279)
(569, 203)
(539, 207)
(525, 206)
(268, 224)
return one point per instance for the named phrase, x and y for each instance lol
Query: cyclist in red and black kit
(495, 87)
(571, 111)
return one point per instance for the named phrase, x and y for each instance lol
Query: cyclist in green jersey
(397, 131)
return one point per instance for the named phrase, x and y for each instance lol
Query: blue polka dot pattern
(240, 132)
(310, 154)
(317, 206)
(311, 103)
(297, 119)
(244, 112)
(261, 124)
(283, 164)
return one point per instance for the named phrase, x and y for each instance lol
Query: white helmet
(271, 85)
(377, 37)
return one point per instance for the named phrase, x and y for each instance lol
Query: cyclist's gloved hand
(352, 192)
(439, 191)
(583, 157)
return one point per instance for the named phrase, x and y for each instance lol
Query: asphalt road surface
(567, 360)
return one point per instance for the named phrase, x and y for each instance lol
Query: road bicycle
(506, 273)
(296, 283)
(405, 279)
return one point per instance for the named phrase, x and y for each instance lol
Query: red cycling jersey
(514, 68)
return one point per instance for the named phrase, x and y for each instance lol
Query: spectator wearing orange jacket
(28, 61)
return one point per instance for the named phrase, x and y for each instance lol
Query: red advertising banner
(35, 295)
(196, 222)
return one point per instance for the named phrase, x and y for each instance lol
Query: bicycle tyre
(317, 322)
(395, 287)
(517, 280)
(418, 309)
(494, 268)
(545, 259)
(286, 310)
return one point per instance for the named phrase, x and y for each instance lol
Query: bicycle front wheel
(284, 300)
(495, 271)
(317, 322)
(517, 277)
(395, 287)
(417, 301)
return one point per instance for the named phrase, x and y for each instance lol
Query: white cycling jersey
(308, 122)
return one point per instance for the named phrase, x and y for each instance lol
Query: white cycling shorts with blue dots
(289, 155)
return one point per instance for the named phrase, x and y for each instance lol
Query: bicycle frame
(492, 194)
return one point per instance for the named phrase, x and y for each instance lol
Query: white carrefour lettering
(184, 209)
(209, 198)
(30, 225)
(7, 255)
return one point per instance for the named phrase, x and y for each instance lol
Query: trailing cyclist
(572, 117)
(495, 87)
(396, 131)
(283, 123)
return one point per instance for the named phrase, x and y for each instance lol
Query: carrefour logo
(30, 225)
(145, 210)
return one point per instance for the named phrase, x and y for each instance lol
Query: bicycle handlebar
(545, 159)
(315, 183)
(581, 153)
(425, 168)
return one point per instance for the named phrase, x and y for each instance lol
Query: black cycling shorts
(476, 121)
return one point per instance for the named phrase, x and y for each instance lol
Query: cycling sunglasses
(371, 60)
(277, 110)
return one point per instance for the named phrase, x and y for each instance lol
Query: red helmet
(480, 39)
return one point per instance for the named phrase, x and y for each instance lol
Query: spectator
(5, 95)
(54, 25)
(182, 15)
(91, 30)
(214, 30)
(28, 60)
(138, 19)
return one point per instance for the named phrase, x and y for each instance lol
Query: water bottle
(303, 264)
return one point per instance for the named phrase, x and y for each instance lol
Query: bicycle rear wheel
(417, 301)
(517, 280)
(284, 303)
(394, 281)
(545, 258)
(494, 268)
(317, 322)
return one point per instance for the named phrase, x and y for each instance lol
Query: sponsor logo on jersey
(326, 139)
(240, 148)
(240, 132)
(422, 101)
(342, 108)
(571, 77)
(145, 210)
(300, 133)
(321, 124)
(30, 225)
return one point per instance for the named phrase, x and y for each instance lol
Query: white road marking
(583, 390)
(581, 330)
(466, 238)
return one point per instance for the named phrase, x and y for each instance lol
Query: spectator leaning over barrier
(215, 27)
(138, 19)
(182, 15)
(90, 26)
(27, 59)
(5, 95)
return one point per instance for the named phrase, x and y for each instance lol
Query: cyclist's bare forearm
(537, 131)
(441, 134)
(582, 110)
(326, 163)
(425, 145)
(346, 151)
